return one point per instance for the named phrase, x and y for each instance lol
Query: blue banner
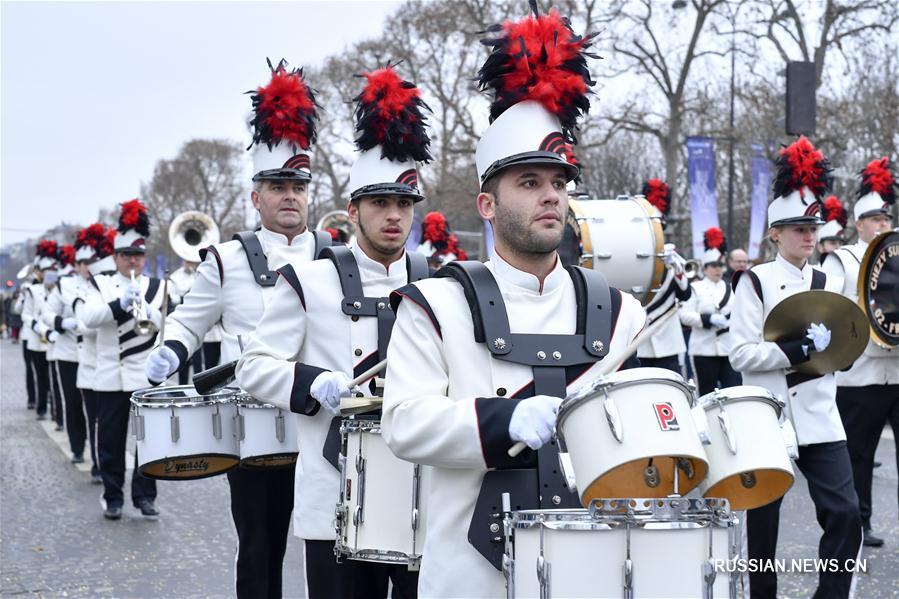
(761, 182)
(701, 180)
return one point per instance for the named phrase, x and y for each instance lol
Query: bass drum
(621, 238)
(878, 289)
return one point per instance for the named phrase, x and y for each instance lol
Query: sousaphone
(190, 232)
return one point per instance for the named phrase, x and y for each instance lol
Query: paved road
(54, 541)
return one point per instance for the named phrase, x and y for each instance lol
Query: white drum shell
(668, 560)
(260, 431)
(595, 452)
(385, 533)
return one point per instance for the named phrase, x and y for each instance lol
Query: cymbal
(359, 405)
(791, 318)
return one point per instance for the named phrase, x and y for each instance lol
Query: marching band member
(456, 399)
(93, 257)
(121, 352)
(59, 316)
(234, 283)
(437, 243)
(663, 350)
(708, 313)
(210, 352)
(330, 320)
(830, 234)
(867, 393)
(35, 294)
(803, 177)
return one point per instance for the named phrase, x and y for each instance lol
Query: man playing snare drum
(451, 400)
(330, 320)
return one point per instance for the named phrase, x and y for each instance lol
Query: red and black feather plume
(389, 113)
(47, 248)
(436, 231)
(714, 239)
(66, 254)
(91, 236)
(658, 194)
(284, 109)
(107, 247)
(801, 165)
(539, 58)
(878, 177)
(134, 216)
(834, 210)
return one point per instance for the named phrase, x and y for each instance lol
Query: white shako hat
(390, 136)
(134, 228)
(803, 178)
(283, 126)
(537, 73)
(877, 191)
(46, 254)
(834, 220)
(715, 246)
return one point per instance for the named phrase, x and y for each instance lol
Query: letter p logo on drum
(666, 417)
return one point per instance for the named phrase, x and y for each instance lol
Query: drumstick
(368, 373)
(165, 308)
(611, 363)
(350, 404)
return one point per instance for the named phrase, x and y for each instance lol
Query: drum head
(878, 288)
(752, 489)
(652, 476)
(189, 467)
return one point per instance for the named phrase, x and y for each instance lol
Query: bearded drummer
(330, 320)
(803, 177)
(867, 393)
(121, 352)
(665, 348)
(458, 392)
(234, 282)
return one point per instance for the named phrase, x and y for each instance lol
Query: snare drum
(267, 434)
(626, 432)
(622, 548)
(748, 460)
(182, 435)
(622, 239)
(380, 514)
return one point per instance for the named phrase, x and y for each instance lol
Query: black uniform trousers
(261, 505)
(114, 408)
(56, 413)
(715, 372)
(865, 411)
(326, 578)
(29, 374)
(827, 469)
(76, 426)
(668, 362)
(42, 378)
(89, 396)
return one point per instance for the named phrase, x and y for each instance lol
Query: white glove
(69, 323)
(52, 336)
(161, 363)
(819, 335)
(328, 388)
(534, 420)
(132, 294)
(719, 320)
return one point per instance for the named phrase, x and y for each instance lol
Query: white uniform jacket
(878, 365)
(225, 292)
(59, 306)
(708, 298)
(669, 341)
(811, 401)
(180, 283)
(87, 338)
(121, 352)
(303, 333)
(32, 328)
(447, 404)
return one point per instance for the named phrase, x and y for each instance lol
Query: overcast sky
(93, 94)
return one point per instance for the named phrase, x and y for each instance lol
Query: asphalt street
(54, 541)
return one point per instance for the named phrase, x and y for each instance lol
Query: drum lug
(628, 568)
(217, 424)
(544, 570)
(724, 423)
(645, 255)
(789, 436)
(137, 425)
(567, 469)
(279, 427)
(612, 416)
(651, 476)
(601, 256)
(358, 514)
(175, 423)
(702, 424)
(416, 475)
(239, 426)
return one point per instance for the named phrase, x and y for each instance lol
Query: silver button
(598, 345)
(381, 305)
(357, 305)
(494, 527)
(499, 343)
(557, 500)
(557, 355)
(541, 355)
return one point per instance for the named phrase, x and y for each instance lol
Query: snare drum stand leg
(708, 574)
(628, 569)
(544, 570)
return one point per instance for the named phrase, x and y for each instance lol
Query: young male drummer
(462, 388)
(708, 313)
(233, 285)
(867, 393)
(330, 320)
(121, 352)
(664, 349)
(802, 179)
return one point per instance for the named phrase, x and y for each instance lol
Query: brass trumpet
(142, 323)
(692, 269)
